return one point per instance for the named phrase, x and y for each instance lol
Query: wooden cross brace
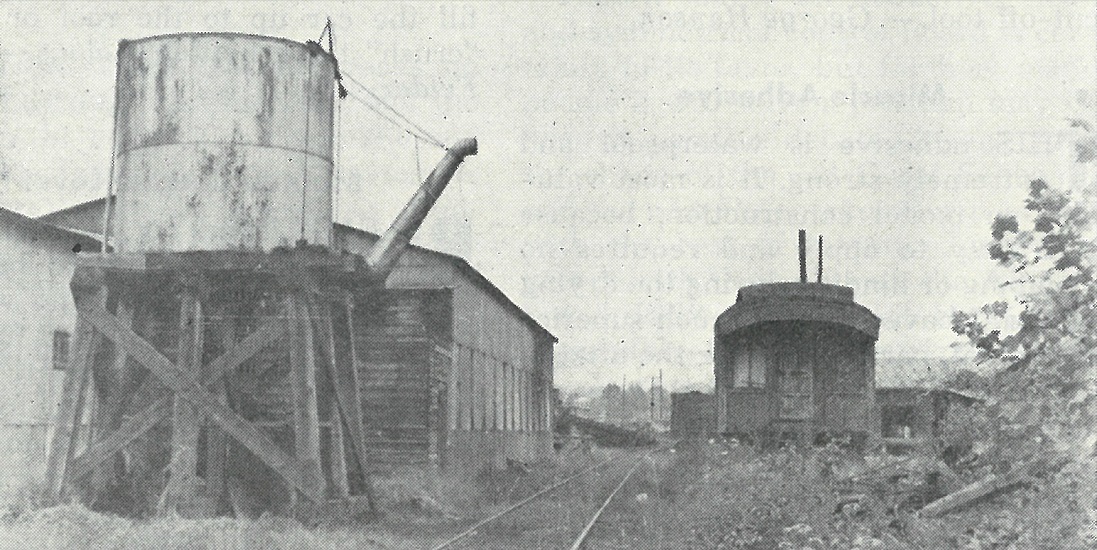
(191, 387)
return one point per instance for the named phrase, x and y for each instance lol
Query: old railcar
(796, 361)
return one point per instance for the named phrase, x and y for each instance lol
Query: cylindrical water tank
(222, 142)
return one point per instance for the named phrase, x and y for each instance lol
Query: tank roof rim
(228, 34)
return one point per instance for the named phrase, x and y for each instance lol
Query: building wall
(35, 270)
(498, 391)
(499, 383)
(498, 388)
(404, 365)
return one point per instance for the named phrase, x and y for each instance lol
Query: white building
(35, 328)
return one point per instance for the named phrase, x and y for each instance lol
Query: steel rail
(519, 504)
(582, 538)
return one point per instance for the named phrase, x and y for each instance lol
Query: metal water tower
(216, 340)
(222, 142)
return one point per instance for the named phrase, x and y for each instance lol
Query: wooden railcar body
(796, 360)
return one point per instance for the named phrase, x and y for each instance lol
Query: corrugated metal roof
(462, 265)
(94, 204)
(923, 390)
(38, 228)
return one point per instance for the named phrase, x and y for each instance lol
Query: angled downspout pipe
(384, 254)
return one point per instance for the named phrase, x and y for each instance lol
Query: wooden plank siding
(399, 364)
(837, 389)
(493, 397)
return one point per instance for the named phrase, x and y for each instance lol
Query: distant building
(910, 416)
(692, 413)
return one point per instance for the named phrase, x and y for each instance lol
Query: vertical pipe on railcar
(803, 256)
(820, 278)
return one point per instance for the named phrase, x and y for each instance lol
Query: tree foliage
(1046, 339)
(1039, 342)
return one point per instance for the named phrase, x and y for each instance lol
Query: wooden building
(494, 391)
(910, 416)
(796, 360)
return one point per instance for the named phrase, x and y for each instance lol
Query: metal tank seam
(239, 143)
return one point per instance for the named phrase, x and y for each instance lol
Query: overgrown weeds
(706, 494)
(719, 494)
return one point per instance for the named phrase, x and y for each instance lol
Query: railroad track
(548, 518)
(585, 533)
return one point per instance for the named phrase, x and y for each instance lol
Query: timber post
(183, 484)
(220, 397)
(71, 410)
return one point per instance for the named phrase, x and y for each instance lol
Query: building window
(496, 395)
(60, 349)
(464, 388)
(749, 366)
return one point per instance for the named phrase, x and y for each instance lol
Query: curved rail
(520, 503)
(594, 519)
(585, 533)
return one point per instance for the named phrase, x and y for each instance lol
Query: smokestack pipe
(803, 256)
(820, 259)
(384, 254)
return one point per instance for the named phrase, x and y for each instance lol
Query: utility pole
(652, 402)
(662, 410)
(623, 381)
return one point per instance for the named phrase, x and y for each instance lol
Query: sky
(639, 162)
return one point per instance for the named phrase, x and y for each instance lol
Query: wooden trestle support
(213, 383)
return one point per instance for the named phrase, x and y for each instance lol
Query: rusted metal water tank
(223, 141)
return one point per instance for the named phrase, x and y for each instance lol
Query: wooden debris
(991, 485)
(973, 493)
